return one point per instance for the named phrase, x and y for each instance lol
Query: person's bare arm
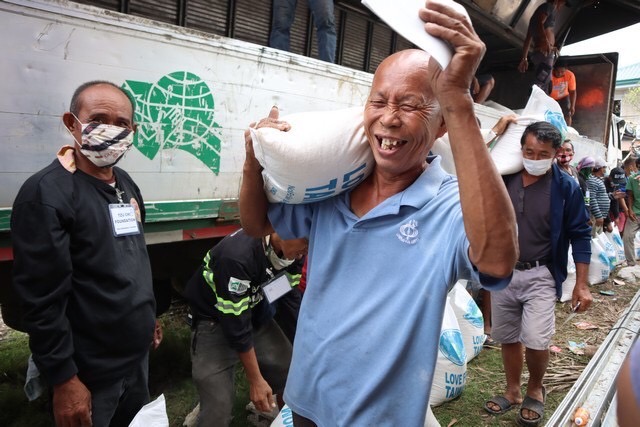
(573, 95)
(488, 215)
(581, 293)
(260, 391)
(253, 201)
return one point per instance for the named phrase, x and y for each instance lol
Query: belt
(528, 265)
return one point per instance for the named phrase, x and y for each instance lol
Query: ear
(134, 127)
(442, 130)
(69, 121)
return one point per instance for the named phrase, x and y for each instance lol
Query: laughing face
(402, 119)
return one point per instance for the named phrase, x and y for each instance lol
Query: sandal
(500, 401)
(532, 405)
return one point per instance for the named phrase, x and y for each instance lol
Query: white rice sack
(507, 151)
(442, 148)
(469, 319)
(450, 375)
(541, 104)
(323, 154)
(636, 245)
(608, 249)
(431, 420)
(599, 268)
(153, 414)
(284, 418)
(616, 239)
(570, 281)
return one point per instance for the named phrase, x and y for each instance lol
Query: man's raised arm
(487, 211)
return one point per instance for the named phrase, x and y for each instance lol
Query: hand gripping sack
(323, 154)
(469, 319)
(450, 374)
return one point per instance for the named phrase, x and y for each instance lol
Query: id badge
(276, 287)
(123, 219)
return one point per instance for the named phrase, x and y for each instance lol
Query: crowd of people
(378, 260)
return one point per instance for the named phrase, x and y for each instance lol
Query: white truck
(195, 93)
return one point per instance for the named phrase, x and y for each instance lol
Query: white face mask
(537, 167)
(277, 262)
(104, 145)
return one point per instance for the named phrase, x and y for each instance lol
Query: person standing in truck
(231, 298)
(383, 255)
(81, 267)
(284, 12)
(540, 43)
(563, 84)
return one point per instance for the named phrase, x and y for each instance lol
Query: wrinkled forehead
(405, 72)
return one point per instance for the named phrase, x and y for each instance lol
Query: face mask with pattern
(103, 144)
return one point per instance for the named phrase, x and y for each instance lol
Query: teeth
(388, 143)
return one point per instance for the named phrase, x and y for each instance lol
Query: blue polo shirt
(369, 325)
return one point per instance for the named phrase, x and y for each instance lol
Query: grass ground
(170, 370)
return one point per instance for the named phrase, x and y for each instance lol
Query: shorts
(564, 104)
(524, 311)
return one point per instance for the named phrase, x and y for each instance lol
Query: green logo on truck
(176, 112)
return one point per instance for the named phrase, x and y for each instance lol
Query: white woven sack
(616, 239)
(153, 414)
(599, 268)
(323, 154)
(541, 104)
(431, 420)
(609, 249)
(450, 375)
(507, 151)
(284, 418)
(570, 281)
(636, 244)
(469, 319)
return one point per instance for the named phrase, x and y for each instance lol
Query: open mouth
(389, 144)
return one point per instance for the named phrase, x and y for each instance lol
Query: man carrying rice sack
(383, 255)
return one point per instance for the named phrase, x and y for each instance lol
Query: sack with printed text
(599, 267)
(450, 374)
(469, 319)
(284, 418)
(609, 249)
(323, 154)
(616, 239)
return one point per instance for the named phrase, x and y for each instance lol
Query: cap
(599, 163)
(586, 162)
(617, 176)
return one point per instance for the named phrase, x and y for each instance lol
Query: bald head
(405, 63)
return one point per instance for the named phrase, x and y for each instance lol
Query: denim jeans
(323, 18)
(213, 363)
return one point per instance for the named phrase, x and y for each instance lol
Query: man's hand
(581, 294)
(72, 404)
(453, 27)
(261, 395)
(270, 121)
(157, 335)
(632, 216)
(523, 65)
(599, 222)
(504, 122)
